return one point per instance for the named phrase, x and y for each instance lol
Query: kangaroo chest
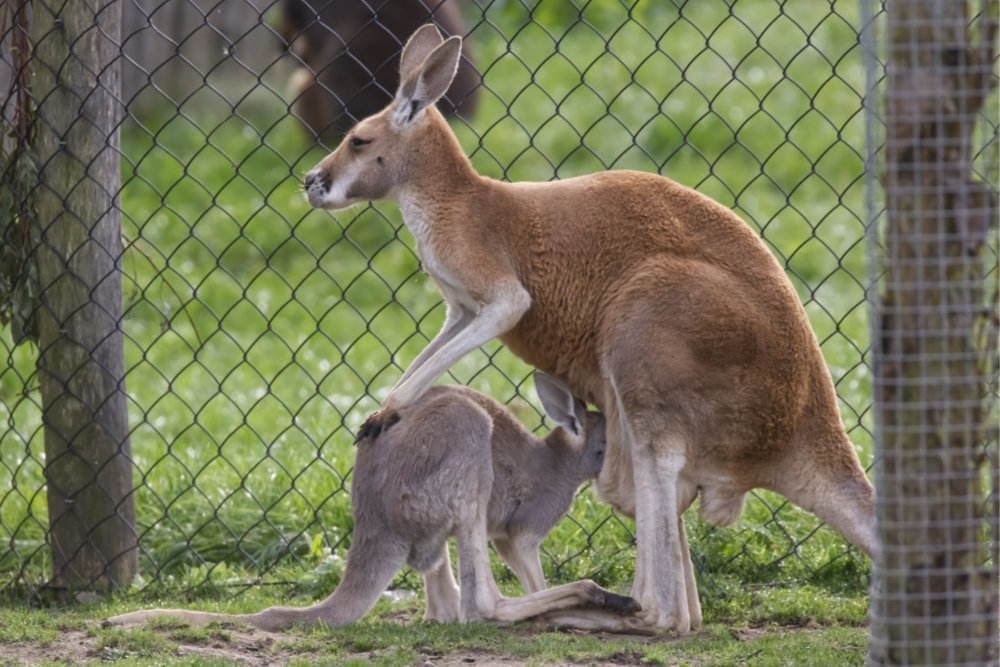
(432, 261)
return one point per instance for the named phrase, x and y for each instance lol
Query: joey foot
(378, 423)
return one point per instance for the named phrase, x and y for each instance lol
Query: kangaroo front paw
(605, 599)
(378, 423)
(621, 604)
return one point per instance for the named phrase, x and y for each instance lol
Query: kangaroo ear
(425, 85)
(425, 39)
(560, 405)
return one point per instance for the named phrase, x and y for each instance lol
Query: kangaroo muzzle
(317, 183)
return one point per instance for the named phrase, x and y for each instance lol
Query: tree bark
(936, 589)
(81, 366)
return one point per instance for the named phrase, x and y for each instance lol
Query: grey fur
(535, 479)
(458, 464)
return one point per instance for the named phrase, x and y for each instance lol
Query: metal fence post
(81, 364)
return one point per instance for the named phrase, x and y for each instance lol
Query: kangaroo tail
(371, 565)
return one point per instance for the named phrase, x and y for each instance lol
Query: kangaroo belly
(563, 354)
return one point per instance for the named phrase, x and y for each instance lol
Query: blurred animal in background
(349, 55)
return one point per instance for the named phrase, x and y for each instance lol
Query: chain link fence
(258, 334)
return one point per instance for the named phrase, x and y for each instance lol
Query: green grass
(261, 333)
(785, 628)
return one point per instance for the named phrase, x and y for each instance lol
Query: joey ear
(426, 84)
(424, 39)
(559, 403)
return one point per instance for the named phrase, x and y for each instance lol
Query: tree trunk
(936, 589)
(81, 364)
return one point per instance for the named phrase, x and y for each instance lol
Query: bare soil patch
(244, 646)
(253, 648)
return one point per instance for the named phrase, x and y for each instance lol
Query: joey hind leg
(600, 620)
(521, 554)
(583, 594)
(479, 592)
(481, 599)
(442, 592)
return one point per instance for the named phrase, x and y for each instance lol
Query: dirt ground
(247, 647)
(79, 647)
(242, 645)
(252, 648)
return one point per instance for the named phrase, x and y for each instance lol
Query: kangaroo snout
(317, 184)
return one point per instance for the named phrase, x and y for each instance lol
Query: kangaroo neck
(439, 169)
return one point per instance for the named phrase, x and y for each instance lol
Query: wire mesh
(259, 334)
(936, 588)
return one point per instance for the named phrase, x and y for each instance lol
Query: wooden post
(81, 366)
(936, 595)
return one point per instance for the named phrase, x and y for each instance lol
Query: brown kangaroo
(646, 298)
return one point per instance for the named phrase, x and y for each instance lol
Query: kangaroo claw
(621, 605)
(378, 423)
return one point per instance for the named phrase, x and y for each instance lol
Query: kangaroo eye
(357, 142)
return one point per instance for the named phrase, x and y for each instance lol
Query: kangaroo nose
(317, 181)
(317, 186)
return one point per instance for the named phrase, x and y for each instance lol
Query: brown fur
(647, 298)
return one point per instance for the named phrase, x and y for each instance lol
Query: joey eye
(357, 142)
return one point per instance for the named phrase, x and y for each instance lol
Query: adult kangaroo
(648, 299)
(460, 464)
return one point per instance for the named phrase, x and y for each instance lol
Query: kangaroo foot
(620, 604)
(602, 598)
(378, 423)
